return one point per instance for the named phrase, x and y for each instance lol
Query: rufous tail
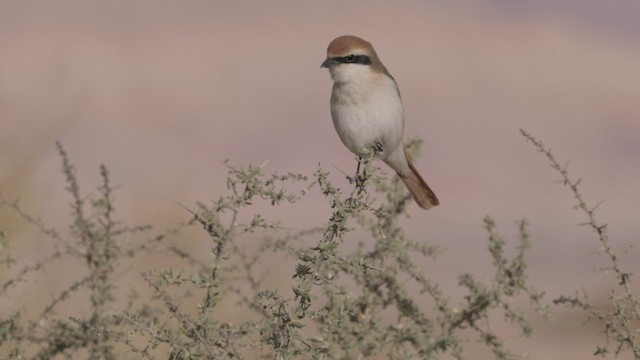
(422, 194)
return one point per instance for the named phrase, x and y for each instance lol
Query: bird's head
(350, 58)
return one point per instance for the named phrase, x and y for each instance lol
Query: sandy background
(162, 91)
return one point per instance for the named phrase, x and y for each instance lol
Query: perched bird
(367, 110)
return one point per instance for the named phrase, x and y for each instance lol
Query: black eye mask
(349, 59)
(353, 59)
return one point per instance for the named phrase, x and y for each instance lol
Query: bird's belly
(361, 126)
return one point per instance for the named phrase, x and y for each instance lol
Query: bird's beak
(328, 63)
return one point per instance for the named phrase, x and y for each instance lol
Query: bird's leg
(364, 173)
(360, 179)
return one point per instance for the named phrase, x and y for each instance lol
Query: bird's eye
(350, 58)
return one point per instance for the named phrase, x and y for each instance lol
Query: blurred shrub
(621, 318)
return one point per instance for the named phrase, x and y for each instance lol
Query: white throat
(345, 73)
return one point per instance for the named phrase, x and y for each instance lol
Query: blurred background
(163, 91)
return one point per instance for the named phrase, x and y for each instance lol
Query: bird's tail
(422, 194)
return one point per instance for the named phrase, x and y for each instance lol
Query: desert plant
(94, 240)
(621, 318)
(356, 288)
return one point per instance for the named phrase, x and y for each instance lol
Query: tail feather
(422, 194)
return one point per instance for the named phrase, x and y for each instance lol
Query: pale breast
(367, 111)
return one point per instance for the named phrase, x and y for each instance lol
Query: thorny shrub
(369, 300)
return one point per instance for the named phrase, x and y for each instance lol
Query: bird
(367, 110)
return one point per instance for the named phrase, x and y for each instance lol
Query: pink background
(162, 91)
